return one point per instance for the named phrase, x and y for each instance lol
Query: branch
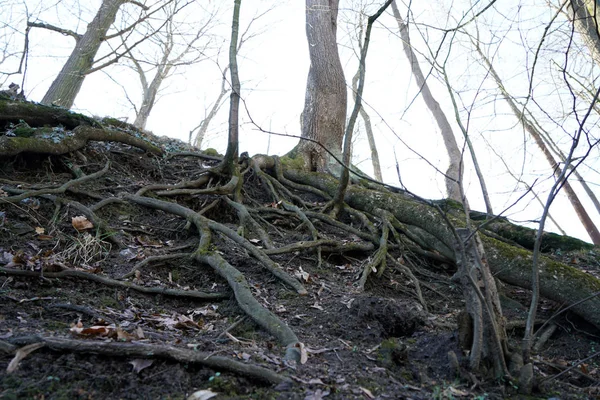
(66, 32)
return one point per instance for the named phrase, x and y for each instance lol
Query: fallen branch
(143, 350)
(236, 280)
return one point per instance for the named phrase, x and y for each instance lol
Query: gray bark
(67, 84)
(585, 17)
(455, 170)
(324, 115)
(369, 131)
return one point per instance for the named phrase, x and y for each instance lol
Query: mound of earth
(106, 297)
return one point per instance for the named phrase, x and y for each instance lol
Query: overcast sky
(273, 69)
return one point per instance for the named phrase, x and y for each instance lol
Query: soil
(378, 343)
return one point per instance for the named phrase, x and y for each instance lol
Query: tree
(66, 85)
(179, 45)
(324, 114)
(454, 173)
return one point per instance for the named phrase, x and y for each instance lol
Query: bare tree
(455, 167)
(180, 44)
(82, 62)
(535, 133)
(202, 127)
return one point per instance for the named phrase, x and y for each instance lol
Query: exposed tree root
(558, 281)
(61, 189)
(379, 258)
(328, 245)
(143, 350)
(236, 279)
(152, 259)
(35, 114)
(71, 273)
(247, 222)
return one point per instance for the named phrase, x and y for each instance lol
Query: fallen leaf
(302, 274)
(202, 395)
(367, 392)
(303, 352)
(81, 223)
(140, 364)
(21, 354)
(123, 336)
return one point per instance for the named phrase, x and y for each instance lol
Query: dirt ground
(374, 344)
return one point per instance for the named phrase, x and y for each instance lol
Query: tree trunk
(231, 155)
(369, 131)
(149, 98)
(324, 115)
(67, 84)
(585, 17)
(584, 217)
(455, 168)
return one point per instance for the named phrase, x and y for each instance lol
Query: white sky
(273, 70)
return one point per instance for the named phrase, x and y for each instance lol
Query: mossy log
(65, 142)
(35, 115)
(559, 282)
(41, 129)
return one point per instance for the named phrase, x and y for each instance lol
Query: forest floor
(373, 344)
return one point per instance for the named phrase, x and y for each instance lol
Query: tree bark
(324, 115)
(585, 17)
(67, 84)
(455, 168)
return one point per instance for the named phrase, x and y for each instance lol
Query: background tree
(179, 43)
(66, 86)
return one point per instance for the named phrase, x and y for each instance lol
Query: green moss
(292, 161)
(526, 238)
(24, 131)
(109, 301)
(211, 152)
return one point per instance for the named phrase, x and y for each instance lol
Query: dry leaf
(97, 330)
(140, 364)
(21, 354)
(81, 223)
(302, 274)
(123, 336)
(202, 395)
(367, 392)
(303, 352)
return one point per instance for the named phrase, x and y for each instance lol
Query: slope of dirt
(378, 343)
